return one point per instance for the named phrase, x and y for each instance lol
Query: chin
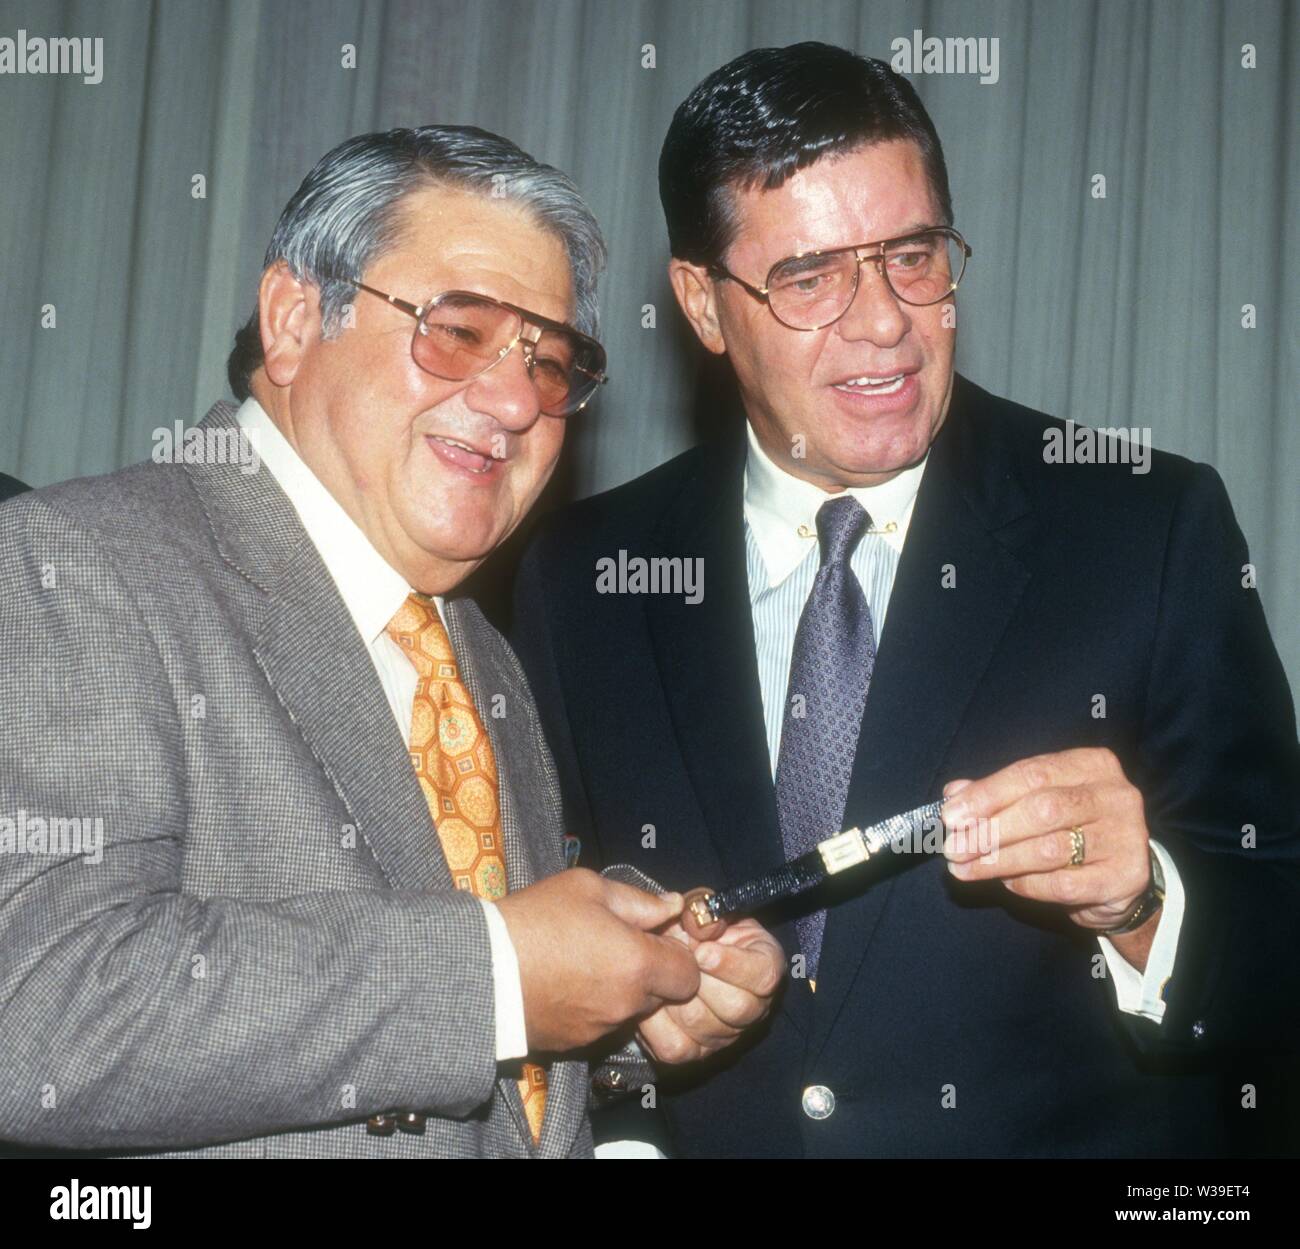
(888, 456)
(457, 538)
(462, 547)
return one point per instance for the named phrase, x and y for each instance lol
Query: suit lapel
(486, 681)
(525, 825)
(318, 666)
(709, 670)
(970, 514)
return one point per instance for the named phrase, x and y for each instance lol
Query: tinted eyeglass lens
(566, 370)
(461, 336)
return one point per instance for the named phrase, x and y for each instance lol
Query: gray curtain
(1125, 310)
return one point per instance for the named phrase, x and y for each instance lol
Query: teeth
(880, 386)
(452, 442)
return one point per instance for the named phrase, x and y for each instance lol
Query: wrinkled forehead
(878, 191)
(448, 238)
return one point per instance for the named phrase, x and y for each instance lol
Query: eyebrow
(802, 264)
(809, 257)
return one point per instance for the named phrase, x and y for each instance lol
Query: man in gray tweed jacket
(230, 921)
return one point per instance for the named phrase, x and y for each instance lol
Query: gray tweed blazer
(267, 947)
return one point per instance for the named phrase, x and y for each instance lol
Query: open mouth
(890, 385)
(462, 454)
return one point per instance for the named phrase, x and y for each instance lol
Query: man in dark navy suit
(914, 587)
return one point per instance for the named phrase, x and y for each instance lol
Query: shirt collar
(371, 588)
(781, 509)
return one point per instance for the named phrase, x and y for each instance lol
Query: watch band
(901, 834)
(1152, 899)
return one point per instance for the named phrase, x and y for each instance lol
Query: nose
(876, 313)
(506, 392)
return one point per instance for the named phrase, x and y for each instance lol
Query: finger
(1033, 856)
(672, 975)
(641, 909)
(1071, 886)
(664, 1041)
(701, 1022)
(754, 967)
(1040, 812)
(677, 933)
(684, 1033)
(728, 1007)
(986, 797)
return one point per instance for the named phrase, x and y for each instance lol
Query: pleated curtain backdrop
(1122, 310)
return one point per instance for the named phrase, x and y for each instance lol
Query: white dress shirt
(783, 555)
(373, 591)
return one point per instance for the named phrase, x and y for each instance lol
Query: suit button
(1198, 1029)
(818, 1101)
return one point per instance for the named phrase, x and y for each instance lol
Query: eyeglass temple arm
(758, 292)
(414, 310)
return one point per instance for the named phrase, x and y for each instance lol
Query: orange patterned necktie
(453, 761)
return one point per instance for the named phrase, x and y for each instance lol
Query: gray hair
(347, 213)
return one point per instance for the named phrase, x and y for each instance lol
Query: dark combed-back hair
(348, 212)
(759, 119)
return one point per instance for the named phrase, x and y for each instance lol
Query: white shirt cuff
(507, 991)
(1142, 993)
(627, 1149)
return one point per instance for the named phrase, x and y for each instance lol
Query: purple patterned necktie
(830, 669)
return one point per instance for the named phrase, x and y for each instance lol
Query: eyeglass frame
(764, 296)
(526, 319)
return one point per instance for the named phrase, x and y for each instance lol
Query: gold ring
(1076, 847)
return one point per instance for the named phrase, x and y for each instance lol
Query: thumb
(674, 975)
(640, 909)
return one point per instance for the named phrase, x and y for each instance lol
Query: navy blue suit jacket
(955, 1019)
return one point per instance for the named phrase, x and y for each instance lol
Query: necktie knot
(418, 629)
(841, 522)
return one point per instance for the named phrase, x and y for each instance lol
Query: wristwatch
(1152, 899)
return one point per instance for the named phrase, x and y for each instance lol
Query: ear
(697, 297)
(288, 315)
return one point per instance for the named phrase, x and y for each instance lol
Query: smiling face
(861, 398)
(436, 473)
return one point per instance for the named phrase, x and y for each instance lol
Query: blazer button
(411, 1121)
(818, 1102)
(381, 1125)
